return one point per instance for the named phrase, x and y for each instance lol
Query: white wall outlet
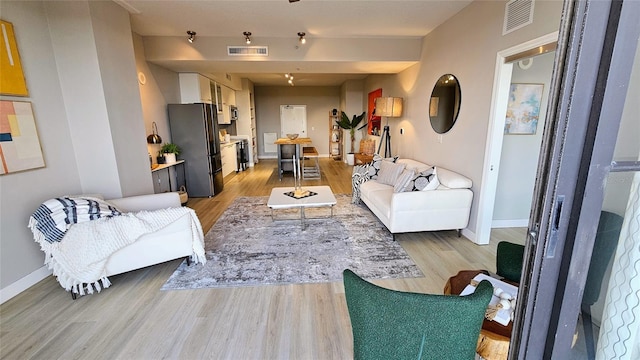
(313, 128)
(440, 138)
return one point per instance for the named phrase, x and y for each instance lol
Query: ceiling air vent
(517, 14)
(248, 50)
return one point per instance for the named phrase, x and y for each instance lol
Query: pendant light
(154, 138)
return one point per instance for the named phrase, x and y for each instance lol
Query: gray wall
(319, 101)
(21, 193)
(79, 64)
(519, 159)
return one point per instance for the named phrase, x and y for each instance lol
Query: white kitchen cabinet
(229, 158)
(228, 96)
(195, 88)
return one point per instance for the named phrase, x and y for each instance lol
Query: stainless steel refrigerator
(194, 128)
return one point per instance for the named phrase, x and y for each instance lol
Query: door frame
(495, 133)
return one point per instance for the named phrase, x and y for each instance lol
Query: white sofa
(172, 242)
(445, 208)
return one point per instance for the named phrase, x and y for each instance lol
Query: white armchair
(128, 234)
(172, 242)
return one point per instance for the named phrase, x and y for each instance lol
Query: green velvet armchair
(509, 258)
(389, 324)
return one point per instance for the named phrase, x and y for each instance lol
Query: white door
(293, 120)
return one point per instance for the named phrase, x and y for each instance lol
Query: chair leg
(73, 295)
(188, 258)
(459, 232)
(588, 332)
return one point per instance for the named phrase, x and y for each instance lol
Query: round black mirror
(444, 105)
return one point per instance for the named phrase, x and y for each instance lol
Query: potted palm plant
(169, 151)
(352, 126)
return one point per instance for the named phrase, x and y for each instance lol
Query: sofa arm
(147, 202)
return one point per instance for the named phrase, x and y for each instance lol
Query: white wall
(319, 101)
(351, 102)
(466, 46)
(519, 159)
(161, 87)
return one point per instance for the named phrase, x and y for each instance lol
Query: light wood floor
(133, 319)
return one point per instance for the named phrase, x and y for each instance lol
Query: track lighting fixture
(290, 78)
(247, 37)
(302, 38)
(192, 36)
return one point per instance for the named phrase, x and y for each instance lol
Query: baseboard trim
(23, 284)
(471, 236)
(509, 223)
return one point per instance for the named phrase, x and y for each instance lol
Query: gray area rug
(246, 247)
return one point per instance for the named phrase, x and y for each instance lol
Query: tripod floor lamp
(388, 107)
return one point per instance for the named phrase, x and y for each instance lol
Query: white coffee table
(323, 198)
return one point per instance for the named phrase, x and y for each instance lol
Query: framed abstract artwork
(12, 80)
(19, 143)
(373, 126)
(523, 109)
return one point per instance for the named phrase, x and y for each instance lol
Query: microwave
(233, 111)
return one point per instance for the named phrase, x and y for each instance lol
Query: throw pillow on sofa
(424, 181)
(389, 172)
(375, 165)
(403, 180)
(359, 176)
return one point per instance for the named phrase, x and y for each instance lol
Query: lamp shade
(154, 138)
(389, 106)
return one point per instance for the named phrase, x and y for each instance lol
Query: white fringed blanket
(82, 253)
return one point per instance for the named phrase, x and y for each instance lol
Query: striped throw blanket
(77, 250)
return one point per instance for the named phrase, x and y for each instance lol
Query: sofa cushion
(424, 181)
(389, 172)
(414, 165)
(368, 188)
(375, 165)
(403, 180)
(453, 180)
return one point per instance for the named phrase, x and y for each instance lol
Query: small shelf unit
(335, 137)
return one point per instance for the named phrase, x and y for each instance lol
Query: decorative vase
(170, 158)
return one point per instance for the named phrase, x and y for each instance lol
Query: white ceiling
(280, 19)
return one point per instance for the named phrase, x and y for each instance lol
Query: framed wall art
(19, 143)
(373, 126)
(523, 109)
(12, 80)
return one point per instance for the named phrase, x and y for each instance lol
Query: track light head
(192, 36)
(247, 37)
(301, 37)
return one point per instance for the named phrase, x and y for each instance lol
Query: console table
(162, 175)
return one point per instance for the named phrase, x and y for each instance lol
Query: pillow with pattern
(374, 169)
(424, 181)
(403, 180)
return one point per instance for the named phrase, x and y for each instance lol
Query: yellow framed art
(12, 80)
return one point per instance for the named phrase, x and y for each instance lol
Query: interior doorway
(495, 132)
(293, 120)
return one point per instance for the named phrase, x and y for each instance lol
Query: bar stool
(310, 172)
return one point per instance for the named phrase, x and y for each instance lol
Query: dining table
(286, 157)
